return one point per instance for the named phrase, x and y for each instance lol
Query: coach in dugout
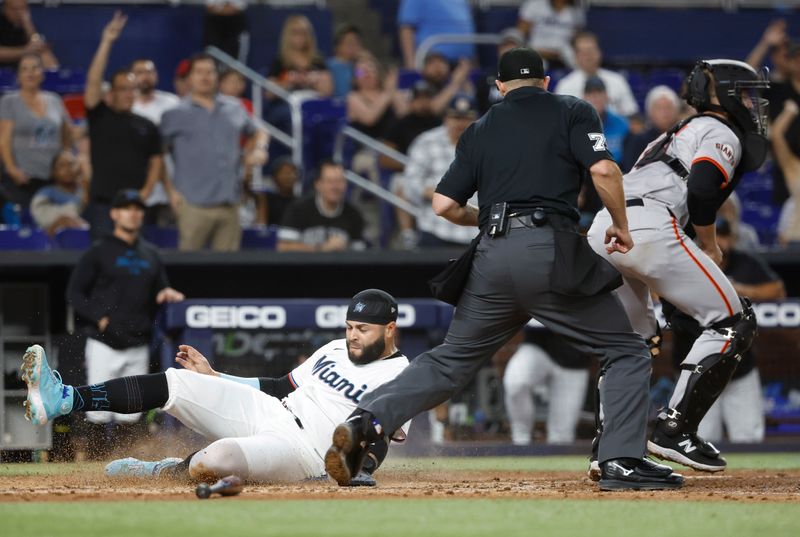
(115, 289)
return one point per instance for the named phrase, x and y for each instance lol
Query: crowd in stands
(192, 153)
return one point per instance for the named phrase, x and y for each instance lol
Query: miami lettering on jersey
(325, 370)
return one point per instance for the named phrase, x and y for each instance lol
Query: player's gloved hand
(191, 359)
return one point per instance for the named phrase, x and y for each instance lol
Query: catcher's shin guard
(713, 373)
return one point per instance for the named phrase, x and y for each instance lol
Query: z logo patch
(599, 140)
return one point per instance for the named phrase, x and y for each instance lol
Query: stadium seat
(8, 80)
(407, 78)
(259, 238)
(72, 239)
(162, 237)
(672, 78)
(75, 106)
(64, 81)
(23, 238)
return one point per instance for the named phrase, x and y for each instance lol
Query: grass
(433, 516)
(757, 461)
(450, 517)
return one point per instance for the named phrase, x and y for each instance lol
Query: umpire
(526, 158)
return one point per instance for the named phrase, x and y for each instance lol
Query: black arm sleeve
(705, 196)
(280, 387)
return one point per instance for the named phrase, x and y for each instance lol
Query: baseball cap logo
(524, 71)
(359, 307)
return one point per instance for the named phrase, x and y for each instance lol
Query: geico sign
(247, 317)
(334, 316)
(778, 314)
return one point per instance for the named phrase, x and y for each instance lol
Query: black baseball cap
(372, 306)
(126, 197)
(518, 63)
(462, 105)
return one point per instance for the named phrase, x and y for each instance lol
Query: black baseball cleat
(687, 449)
(637, 474)
(344, 458)
(363, 479)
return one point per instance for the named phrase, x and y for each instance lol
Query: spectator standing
(203, 134)
(59, 206)
(34, 128)
(323, 221)
(420, 19)
(550, 26)
(663, 108)
(19, 37)
(125, 147)
(774, 42)
(588, 58)
(374, 102)
(225, 27)
(152, 103)
(445, 81)
(299, 65)
(430, 157)
(778, 94)
(346, 50)
(789, 167)
(115, 289)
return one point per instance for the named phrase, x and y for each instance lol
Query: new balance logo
(687, 446)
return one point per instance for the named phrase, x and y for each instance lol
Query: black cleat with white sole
(687, 449)
(637, 474)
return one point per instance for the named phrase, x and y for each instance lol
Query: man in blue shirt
(420, 19)
(615, 127)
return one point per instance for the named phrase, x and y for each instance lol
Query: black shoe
(345, 457)
(641, 474)
(687, 449)
(362, 479)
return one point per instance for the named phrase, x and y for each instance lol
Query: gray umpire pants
(509, 283)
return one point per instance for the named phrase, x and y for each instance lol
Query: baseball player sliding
(263, 429)
(683, 177)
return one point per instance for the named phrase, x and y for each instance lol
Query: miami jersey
(329, 387)
(701, 139)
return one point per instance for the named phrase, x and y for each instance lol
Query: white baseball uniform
(281, 440)
(664, 260)
(529, 369)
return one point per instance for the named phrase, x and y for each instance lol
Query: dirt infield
(736, 486)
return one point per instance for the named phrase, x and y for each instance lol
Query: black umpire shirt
(533, 149)
(120, 281)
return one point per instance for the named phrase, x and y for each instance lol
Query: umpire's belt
(539, 218)
(296, 419)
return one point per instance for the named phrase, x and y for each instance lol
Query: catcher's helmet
(738, 88)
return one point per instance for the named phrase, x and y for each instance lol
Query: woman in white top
(34, 128)
(550, 25)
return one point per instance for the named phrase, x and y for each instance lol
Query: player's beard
(369, 353)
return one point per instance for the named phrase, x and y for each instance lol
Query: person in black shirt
(115, 289)
(323, 221)
(18, 36)
(125, 148)
(526, 159)
(740, 407)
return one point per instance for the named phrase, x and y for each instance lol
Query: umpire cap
(520, 62)
(372, 306)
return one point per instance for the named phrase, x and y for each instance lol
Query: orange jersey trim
(702, 268)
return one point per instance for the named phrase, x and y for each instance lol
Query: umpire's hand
(618, 240)
(191, 359)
